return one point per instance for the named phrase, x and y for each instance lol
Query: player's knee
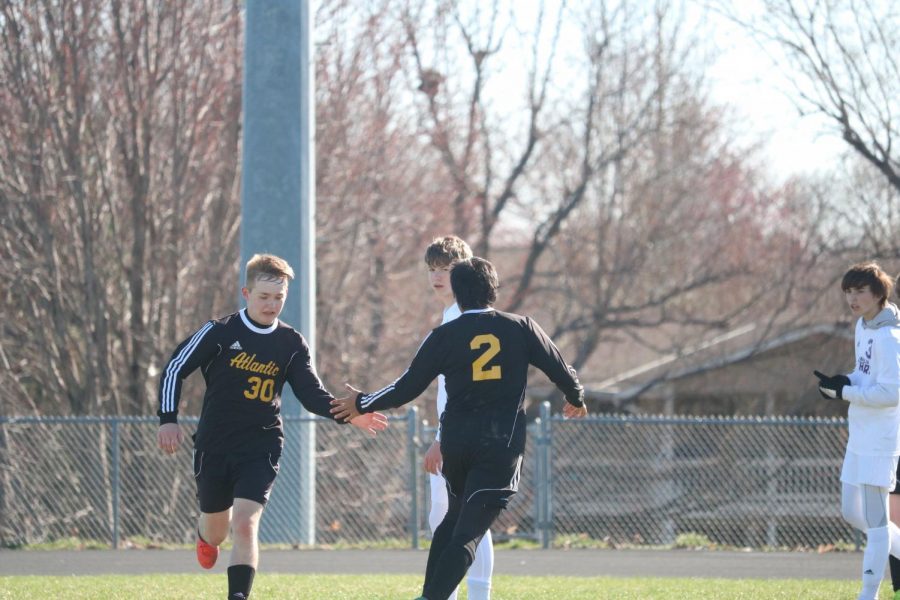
(214, 531)
(848, 515)
(853, 517)
(243, 528)
(214, 536)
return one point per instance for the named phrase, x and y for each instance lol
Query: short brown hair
(267, 267)
(445, 250)
(869, 274)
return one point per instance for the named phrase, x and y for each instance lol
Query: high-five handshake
(484, 355)
(247, 357)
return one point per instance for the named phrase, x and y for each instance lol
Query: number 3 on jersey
(479, 370)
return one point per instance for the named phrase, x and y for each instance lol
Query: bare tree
(620, 168)
(119, 183)
(842, 58)
(377, 185)
(114, 166)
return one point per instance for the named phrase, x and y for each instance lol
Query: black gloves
(832, 387)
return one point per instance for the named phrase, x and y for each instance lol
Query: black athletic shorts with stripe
(221, 478)
(482, 457)
(480, 473)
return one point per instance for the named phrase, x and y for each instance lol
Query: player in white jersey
(440, 257)
(869, 471)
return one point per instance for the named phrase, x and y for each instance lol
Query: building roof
(731, 347)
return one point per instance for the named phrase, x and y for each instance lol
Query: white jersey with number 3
(874, 414)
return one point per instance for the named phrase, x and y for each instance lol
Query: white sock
(479, 589)
(483, 564)
(875, 558)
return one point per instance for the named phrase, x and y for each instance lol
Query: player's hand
(168, 438)
(344, 408)
(434, 460)
(371, 422)
(832, 387)
(570, 411)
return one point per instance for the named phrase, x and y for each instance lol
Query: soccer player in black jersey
(484, 355)
(246, 358)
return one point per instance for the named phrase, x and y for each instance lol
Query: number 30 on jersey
(260, 389)
(480, 370)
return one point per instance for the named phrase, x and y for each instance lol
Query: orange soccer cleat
(206, 553)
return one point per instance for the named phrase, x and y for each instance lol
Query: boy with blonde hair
(246, 358)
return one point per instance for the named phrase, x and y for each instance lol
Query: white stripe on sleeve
(168, 395)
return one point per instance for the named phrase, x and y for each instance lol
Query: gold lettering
(246, 362)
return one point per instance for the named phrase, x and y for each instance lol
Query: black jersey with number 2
(484, 356)
(245, 367)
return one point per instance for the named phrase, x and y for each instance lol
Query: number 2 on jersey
(479, 370)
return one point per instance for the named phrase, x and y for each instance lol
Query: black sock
(895, 572)
(240, 580)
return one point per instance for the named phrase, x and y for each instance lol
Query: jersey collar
(254, 328)
(478, 310)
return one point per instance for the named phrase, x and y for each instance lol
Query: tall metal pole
(278, 216)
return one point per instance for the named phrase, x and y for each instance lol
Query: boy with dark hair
(484, 355)
(440, 257)
(246, 358)
(869, 470)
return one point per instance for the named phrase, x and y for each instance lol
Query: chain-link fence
(769, 482)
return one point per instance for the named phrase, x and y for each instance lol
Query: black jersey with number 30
(245, 367)
(484, 356)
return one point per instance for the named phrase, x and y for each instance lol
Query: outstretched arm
(544, 354)
(343, 410)
(424, 367)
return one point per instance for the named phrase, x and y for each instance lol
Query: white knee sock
(479, 574)
(895, 539)
(439, 505)
(875, 558)
(479, 589)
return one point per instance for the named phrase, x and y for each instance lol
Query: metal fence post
(544, 458)
(412, 441)
(115, 483)
(537, 484)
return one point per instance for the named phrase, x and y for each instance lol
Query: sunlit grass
(271, 586)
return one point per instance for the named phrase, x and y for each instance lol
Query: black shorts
(488, 474)
(221, 478)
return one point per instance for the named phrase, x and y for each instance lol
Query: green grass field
(406, 587)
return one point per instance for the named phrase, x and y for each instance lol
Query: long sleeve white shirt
(874, 393)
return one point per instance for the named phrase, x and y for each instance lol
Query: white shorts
(859, 469)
